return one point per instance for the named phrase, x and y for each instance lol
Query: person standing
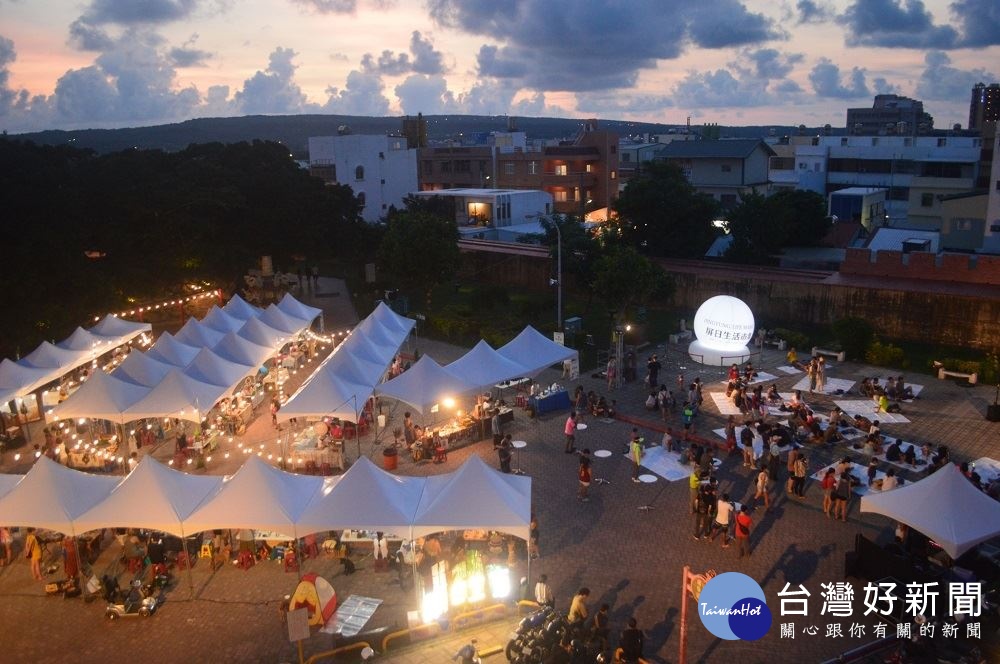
(601, 629)
(723, 513)
(543, 592)
(820, 374)
(578, 608)
(533, 537)
(828, 484)
(799, 474)
(653, 367)
(842, 495)
(631, 642)
(793, 454)
(762, 480)
(570, 431)
(612, 373)
(694, 483)
(635, 452)
(705, 512)
(505, 450)
(496, 427)
(584, 477)
(811, 372)
(731, 434)
(6, 541)
(746, 439)
(409, 430)
(743, 526)
(33, 552)
(661, 398)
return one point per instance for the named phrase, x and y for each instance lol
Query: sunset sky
(114, 63)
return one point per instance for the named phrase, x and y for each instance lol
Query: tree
(662, 214)
(623, 277)
(580, 249)
(761, 227)
(420, 251)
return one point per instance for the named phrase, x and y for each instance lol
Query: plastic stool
(310, 467)
(520, 401)
(135, 564)
(245, 560)
(326, 469)
(206, 550)
(440, 454)
(182, 561)
(291, 561)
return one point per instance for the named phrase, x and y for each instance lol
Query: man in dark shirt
(631, 642)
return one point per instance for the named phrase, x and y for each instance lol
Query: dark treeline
(83, 233)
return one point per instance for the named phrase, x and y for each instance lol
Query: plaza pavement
(628, 558)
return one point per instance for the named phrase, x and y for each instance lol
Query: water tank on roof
(916, 244)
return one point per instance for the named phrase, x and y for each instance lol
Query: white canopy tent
(258, 496)
(101, 397)
(425, 384)
(17, 379)
(263, 335)
(82, 339)
(483, 366)
(8, 482)
(177, 395)
(207, 367)
(170, 351)
(944, 506)
(238, 308)
(53, 496)
(197, 334)
(293, 307)
(152, 496)
(392, 321)
(140, 369)
(279, 320)
(326, 394)
(119, 331)
(217, 319)
(58, 361)
(475, 496)
(378, 335)
(365, 497)
(535, 351)
(236, 349)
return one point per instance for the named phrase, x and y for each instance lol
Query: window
(727, 168)
(463, 166)
(942, 142)
(803, 166)
(446, 167)
(359, 173)
(428, 167)
(561, 169)
(532, 168)
(576, 193)
(816, 168)
(926, 200)
(361, 198)
(508, 168)
(614, 174)
(559, 196)
(626, 157)
(843, 142)
(961, 225)
(590, 168)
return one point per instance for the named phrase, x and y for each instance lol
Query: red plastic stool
(182, 560)
(135, 564)
(310, 467)
(245, 560)
(291, 562)
(520, 401)
(440, 454)
(326, 470)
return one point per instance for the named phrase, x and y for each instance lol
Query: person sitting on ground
(892, 452)
(773, 398)
(904, 391)
(613, 408)
(651, 401)
(890, 388)
(910, 455)
(890, 481)
(792, 357)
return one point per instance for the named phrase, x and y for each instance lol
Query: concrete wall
(961, 268)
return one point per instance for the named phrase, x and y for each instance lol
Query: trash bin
(390, 458)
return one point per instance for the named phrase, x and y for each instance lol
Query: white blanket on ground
(663, 463)
(869, 408)
(761, 377)
(831, 386)
(859, 472)
(791, 371)
(724, 404)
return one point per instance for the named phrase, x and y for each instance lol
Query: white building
(379, 169)
(914, 170)
(492, 214)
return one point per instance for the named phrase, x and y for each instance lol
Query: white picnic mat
(776, 410)
(758, 442)
(762, 377)
(988, 469)
(831, 386)
(868, 408)
(791, 371)
(916, 389)
(665, 464)
(724, 404)
(352, 615)
(860, 472)
(900, 464)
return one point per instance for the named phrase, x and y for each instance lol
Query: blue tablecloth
(555, 401)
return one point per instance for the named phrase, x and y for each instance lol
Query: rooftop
(738, 148)
(469, 191)
(859, 191)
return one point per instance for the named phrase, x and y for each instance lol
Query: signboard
(574, 367)
(298, 625)
(559, 338)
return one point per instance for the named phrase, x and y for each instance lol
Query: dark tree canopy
(624, 277)
(580, 248)
(419, 251)
(152, 221)
(761, 226)
(662, 214)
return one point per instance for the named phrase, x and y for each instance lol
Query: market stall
(314, 447)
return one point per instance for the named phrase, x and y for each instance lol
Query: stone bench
(944, 373)
(678, 337)
(841, 355)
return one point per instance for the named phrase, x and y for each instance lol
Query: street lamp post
(559, 324)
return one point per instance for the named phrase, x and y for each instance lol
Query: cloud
(133, 12)
(814, 11)
(884, 87)
(489, 96)
(604, 44)
(273, 90)
(534, 105)
(942, 82)
(425, 60)
(770, 63)
(189, 56)
(980, 21)
(612, 104)
(724, 23)
(895, 24)
(718, 89)
(329, 6)
(826, 81)
(87, 37)
(361, 95)
(420, 93)
(7, 56)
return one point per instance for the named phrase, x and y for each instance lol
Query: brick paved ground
(630, 559)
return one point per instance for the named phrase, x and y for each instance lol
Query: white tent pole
(190, 563)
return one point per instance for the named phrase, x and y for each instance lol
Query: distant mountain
(295, 130)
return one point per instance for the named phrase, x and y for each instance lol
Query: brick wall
(960, 268)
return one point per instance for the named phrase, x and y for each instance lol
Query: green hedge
(886, 355)
(793, 338)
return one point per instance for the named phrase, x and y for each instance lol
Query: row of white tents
(261, 497)
(184, 375)
(49, 362)
(351, 374)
